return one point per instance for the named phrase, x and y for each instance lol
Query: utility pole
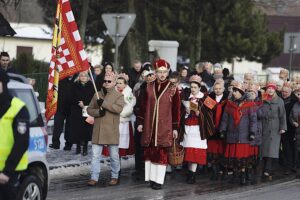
(291, 50)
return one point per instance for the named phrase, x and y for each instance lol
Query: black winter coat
(80, 130)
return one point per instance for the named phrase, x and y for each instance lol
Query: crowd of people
(229, 126)
(226, 125)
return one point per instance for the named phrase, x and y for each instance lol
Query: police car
(35, 180)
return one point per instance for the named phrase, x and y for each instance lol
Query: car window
(27, 97)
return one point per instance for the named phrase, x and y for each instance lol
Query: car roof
(12, 84)
(17, 81)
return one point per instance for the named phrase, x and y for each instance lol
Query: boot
(78, 149)
(156, 186)
(224, 175)
(242, 177)
(214, 175)
(233, 177)
(191, 178)
(250, 176)
(85, 149)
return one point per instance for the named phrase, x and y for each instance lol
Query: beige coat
(106, 128)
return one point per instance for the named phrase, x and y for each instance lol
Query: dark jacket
(239, 133)
(288, 105)
(80, 130)
(64, 93)
(133, 77)
(207, 78)
(295, 117)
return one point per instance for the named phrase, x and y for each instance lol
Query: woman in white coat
(126, 142)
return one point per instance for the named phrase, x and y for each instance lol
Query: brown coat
(106, 128)
(159, 114)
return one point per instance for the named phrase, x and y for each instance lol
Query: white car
(35, 180)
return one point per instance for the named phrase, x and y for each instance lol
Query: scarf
(236, 110)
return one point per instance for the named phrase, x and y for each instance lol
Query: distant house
(281, 15)
(33, 36)
(284, 15)
(33, 39)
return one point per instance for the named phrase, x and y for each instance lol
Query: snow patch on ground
(67, 163)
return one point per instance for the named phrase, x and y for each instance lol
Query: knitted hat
(271, 85)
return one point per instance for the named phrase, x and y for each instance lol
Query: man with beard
(159, 121)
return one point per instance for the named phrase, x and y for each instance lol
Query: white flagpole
(93, 81)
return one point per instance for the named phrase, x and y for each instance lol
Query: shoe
(68, 147)
(151, 184)
(53, 146)
(84, 150)
(156, 186)
(243, 178)
(113, 182)
(266, 177)
(191, 178)
(215, 173)
(92, 183)
(78, 149)
(233, 178)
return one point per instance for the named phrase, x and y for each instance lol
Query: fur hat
(123, 75)
(240, 87)
(196, 79)
(161, 65)
(110, 76)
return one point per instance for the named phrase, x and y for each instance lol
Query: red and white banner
(68, 54)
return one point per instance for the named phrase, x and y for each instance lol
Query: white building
(33, 35)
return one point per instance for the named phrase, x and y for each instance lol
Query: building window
(24, 50)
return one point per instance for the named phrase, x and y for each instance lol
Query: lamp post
(291, 50)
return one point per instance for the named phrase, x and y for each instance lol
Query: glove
(222, 134)
(102, 112)
(251, 136)
(100, 102)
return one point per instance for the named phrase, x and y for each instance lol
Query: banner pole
(93, 81)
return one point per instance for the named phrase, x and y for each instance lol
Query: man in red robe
(158, 121)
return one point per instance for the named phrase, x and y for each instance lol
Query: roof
(36, 31)
(279, 7)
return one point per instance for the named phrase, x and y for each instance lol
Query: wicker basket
(175, 154)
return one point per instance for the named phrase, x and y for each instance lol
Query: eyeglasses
(107, 81)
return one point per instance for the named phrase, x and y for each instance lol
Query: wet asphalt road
(75, 187)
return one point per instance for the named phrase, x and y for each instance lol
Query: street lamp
(292, 48)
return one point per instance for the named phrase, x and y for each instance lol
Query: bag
(175, 154)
